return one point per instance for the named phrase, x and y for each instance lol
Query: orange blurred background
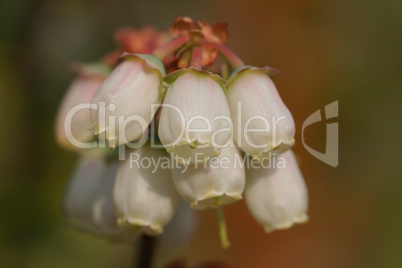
(327, 50)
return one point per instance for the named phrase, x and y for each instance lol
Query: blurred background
(327, 50)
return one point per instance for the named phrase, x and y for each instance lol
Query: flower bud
(144, 194)
(74, 122)
(261, 121)
(88, 203)
(219, 181)
(195, 117)
(277, 197)
(124, 100)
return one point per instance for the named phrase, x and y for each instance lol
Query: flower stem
(145, 252)
(170, 47)
(229, 55)
(222, 228)
(196, 57)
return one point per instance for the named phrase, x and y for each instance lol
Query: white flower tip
(269, 228)
(215, 200)
(110, 134)
(93, 129)
(189, 153)
(282, 147)
(302, 219)
(96, 129)
(141, 225)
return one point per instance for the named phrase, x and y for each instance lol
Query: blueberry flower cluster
(191, 101)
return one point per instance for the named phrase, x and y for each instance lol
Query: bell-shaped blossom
(277, 196)
(195, 119)
(219, 181)
(144, 194)
(261, 121)
(127, 100)
(73, 121)
(88, 201)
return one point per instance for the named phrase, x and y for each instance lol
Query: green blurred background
(327, 50)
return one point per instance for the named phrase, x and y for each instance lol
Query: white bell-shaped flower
(277, 196)
(88, 201)
(219, 181)
(128, 99)
(144, 194)
(73, 121)
(261, 121)
(195, 118)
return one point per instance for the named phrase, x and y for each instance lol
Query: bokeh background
(327, 50)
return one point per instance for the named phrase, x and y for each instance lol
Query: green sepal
(169, 79)
(150, 60)
(239, 70)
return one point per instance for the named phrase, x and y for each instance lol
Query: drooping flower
(195, 118)
(144, 194)
(128, 94)
(261, 121)
(194, 124)
(73, 122)
(220, 181)
(277, 197)
(88, 203)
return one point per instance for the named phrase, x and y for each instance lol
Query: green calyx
(247, 68)
(169, 79)
(150, 60)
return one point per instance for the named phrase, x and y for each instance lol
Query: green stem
(222, 228)
(170, 47)
(146, 252)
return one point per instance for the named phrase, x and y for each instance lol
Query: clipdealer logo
(331, 154)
